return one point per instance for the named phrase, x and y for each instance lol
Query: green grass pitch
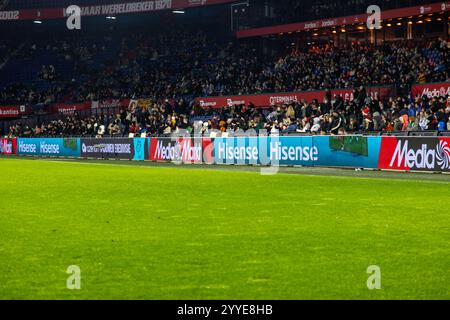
(146, 232)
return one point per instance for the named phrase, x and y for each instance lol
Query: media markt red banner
(415, 154)
(183, 150)
(8, 146)
(276, 99)
(431, 90)
(70, 108)
(9, 111)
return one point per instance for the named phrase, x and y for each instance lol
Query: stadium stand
(173, 66)
(289, 11)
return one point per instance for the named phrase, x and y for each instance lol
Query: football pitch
(169, 232)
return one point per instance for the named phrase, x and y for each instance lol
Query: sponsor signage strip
(9, 111)
(182, 150)
(326, 151)
(431, 154)
(343, 21)
(8, 146)
(70, 108)
(108, 9)
(50, 147)
(108, 148)
(267, 100)
(431, 90)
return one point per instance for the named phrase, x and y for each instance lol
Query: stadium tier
(185, 74)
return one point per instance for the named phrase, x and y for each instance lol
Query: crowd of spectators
(171, 68)
(3, 4)
(331, 116)
(180, 64)
(291, 11)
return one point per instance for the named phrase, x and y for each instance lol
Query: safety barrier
(408, 153)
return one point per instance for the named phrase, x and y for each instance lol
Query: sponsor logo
(433, 93)
(27, 147)
(278, 152)
(197, 2)
(116, 148)
(282, 100)
(42, 148)
(425, 9)
(227, 152)
(231, 102)
(179, 150)
(111, 103)
(311, 25)
(422, 158)
(47, 148)
(204, 104)
(9, 112)
(7, 147)
(443, 155)
(297, 153)
(328, 23)
(67, 110)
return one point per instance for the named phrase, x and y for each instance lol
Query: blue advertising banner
(50, 147)
(348, 151)
(141, 149)
(339, 151)
(266, 151)
(326, 151)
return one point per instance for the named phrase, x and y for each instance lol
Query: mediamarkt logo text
(278, 152)
(178, 151)
(7, 147)
(423, 158)
(44, 148)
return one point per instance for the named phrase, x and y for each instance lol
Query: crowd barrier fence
(398, 153)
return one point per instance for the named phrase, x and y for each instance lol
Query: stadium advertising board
(141, 149)
(431, 90)
(9, 111)
(415, 154)
(267, 100)
(8, 146)
(136, 6)
(70, 108)
(266, 151)
(110, 103)
(50, 147)
(348, 151)
(376, 93)
(331, 151)
(106, 148)
(185, 150)
(430, 154)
